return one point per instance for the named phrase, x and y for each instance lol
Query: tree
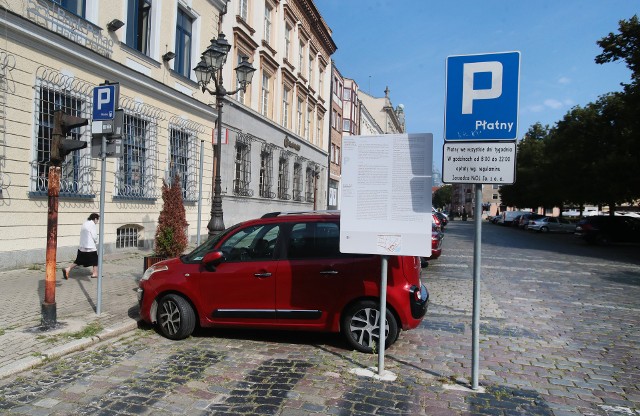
(593, 153)
(623, 46)
(621, 110)
(171, 236)
(530, 188)
(442, 196)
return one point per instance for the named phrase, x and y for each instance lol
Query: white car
(552, 224)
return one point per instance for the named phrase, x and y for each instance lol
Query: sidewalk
(23, 344)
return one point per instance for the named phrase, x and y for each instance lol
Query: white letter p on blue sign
(482, 97)
(104, 97)
(469, 93)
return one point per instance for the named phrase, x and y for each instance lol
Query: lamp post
(209, 70)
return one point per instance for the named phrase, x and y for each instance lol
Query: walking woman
(87, 252)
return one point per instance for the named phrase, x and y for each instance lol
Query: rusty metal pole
(49, 318)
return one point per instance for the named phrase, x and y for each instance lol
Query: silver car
(552, 224)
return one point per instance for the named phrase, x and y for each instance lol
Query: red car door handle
(329, 272)
(261, 275)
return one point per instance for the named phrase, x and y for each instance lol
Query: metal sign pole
(103, 157)
(477, 219)
(382, 339)
(200, 191)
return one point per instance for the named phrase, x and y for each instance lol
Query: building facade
(278, 129)
(53, 54)
(335, 155)
(387, 119)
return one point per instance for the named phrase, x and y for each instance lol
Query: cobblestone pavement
(558, 337)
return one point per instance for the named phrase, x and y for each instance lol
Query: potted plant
(171, 236)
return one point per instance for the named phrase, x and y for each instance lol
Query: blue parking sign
(105, 99)
(482, 97)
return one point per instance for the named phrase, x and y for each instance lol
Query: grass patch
(88, 331)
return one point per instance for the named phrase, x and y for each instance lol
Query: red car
(283, 271)
(436, 244)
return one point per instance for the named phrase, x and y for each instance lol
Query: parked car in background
(516, 221)
(605, 229)
(525, 219)
(552, 224)
(444, 220)
(435, 220)
(283, 271)
(507, 217)
(494, 219)
(436, 244)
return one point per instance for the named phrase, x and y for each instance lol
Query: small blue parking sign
(105, 101)
(482, 97)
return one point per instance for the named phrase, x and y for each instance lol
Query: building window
(77, 7)
(183, 44)
(266, 172)
(495, 196)
(268, 10)
(136, 175)
(283, 177)
(286, 96)
(182, 161)
(311, 178)
(264, 100)
(242, 171)
(300, 117)
(320, 80)
(335, 154)
(347, 95)
(301, 58)
(319, 131)
(310, 69)
(244, 10)
(75, 177)
(139, 25)
(297, 181)
(128, 236)
(309, 128)
(287, 41)
(346, 125)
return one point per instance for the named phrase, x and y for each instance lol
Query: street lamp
(208, 70)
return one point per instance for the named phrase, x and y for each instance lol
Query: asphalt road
(558, 337)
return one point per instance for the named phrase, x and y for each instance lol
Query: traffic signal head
(62, 126)
(69, 122)
(67, 146)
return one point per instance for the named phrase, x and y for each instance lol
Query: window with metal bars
(297, 181)
(136, 176)
(128, 236)
(266, 172)
(283, 177)
(311, 178)
(75, 177)
(242, 175)
(182, 161)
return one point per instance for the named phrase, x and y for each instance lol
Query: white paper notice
(386, 194)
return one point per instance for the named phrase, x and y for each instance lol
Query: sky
(404, 44)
